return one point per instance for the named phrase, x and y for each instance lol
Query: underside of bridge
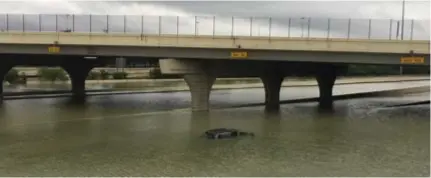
(77, 67)
(201, 74)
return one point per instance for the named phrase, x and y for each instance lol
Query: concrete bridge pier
(326, 75)
(78, 73)
(4, 69)
(199, 76)
(200, 87)
(1, 92)
(272, 81)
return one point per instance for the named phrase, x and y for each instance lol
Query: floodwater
(134, 85)
(153, 135)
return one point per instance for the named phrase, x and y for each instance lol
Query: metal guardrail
(224, 26)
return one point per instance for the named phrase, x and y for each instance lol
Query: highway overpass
(202, 58)
(366, 51)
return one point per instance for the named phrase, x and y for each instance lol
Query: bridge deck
(368, 51)
(224, 42)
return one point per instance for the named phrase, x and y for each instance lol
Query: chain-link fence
(220, 26)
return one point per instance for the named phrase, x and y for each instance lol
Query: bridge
(220, 47)
(203, 58)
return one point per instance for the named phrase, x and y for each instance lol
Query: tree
(119, 75)
(12, 76)
(52, 74)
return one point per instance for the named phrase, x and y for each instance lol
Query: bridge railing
(267, 27)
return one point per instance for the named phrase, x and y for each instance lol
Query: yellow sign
(412, 60)
(53, 49)
(238, 55)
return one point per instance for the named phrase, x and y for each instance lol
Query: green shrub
(93, 75)
(62, 76)
(12, 76)
(119, 75)
(52, 74)
(155, 73)
(104, 74)
(22, 78)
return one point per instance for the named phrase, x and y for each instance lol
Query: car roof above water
(222, 130)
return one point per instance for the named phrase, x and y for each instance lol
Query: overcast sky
(279, 11)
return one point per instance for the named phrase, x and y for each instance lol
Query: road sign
(53, 49)
(412, 60)
(238, 55)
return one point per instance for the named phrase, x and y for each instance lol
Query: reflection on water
(129, 85)
(112, 136)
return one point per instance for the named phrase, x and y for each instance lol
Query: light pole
(67, 21)
(197, 27)
(302, 27)
(402, 19)
(258, 29)
(402, 28)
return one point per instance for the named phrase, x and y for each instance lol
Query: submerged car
(221, 133)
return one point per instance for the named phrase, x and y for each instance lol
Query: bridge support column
(326, 75)
(4, 69)
(272, 81)
(199, 76)
(77, 74)
(200, 87)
